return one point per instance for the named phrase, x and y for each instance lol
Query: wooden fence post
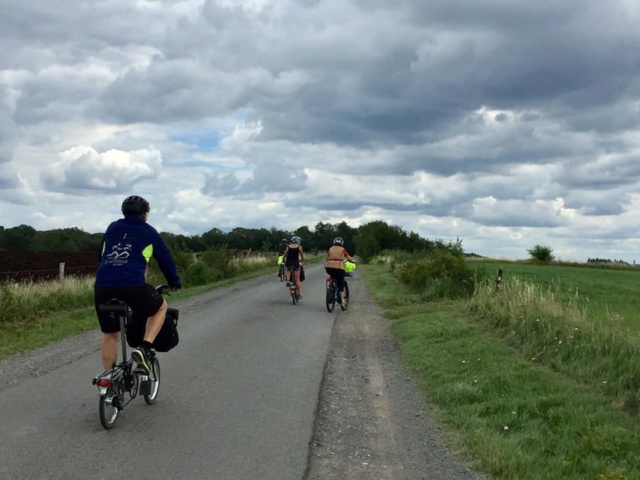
(61, 272)
(499, 280)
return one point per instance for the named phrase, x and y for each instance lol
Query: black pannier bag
(167, 337)
(301, 273)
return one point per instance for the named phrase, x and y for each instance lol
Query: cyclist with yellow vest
(127, 246)
(334, 265)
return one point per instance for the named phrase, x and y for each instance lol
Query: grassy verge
(509, 417)
(610, 293)
(36, 314)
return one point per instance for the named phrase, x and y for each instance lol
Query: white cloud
(502, 123)
(83, 169)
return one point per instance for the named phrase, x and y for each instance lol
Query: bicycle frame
(122, 378)
(293, 288)
(333, 294)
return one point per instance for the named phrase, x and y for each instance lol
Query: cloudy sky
(506, 123)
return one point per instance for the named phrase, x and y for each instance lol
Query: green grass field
(609, 294)
(567, 411)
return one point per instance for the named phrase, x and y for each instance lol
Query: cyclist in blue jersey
(127, 246)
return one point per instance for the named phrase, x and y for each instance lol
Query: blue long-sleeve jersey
(127, 246)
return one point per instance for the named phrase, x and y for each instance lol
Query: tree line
(365, 241)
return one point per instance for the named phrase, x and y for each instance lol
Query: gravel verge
(372, 420)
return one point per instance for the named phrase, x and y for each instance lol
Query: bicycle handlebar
(163, 289)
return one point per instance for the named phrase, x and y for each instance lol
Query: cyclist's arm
(165, 261)
(348, 257)
(301, 254)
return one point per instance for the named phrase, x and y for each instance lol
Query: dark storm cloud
(265, 179)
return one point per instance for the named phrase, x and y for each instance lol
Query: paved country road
(257, 389)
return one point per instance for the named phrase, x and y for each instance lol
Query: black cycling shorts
(337, 274)
(144, 301)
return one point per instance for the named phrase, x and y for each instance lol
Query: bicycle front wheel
(331, 298)
(155, 382)
(108, 411)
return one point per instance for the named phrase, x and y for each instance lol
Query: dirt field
(45, 265)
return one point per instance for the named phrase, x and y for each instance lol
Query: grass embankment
(531, 382)
(37, 313)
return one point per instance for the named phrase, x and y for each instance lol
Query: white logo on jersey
(119, 254)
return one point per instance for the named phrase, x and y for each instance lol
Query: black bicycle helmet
(338, 241)
(135, 205)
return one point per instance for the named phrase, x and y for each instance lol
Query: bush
(183, 261)
(218, 262)
(196, 274)
(541, 253)
(444, 275)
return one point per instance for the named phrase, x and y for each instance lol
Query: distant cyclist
(281, 248)
(293, 257)
(334, 265)
(127, 246)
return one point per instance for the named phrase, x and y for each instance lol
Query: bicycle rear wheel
(155, 382)
(294, 296)
(108, 411)
(331, 297)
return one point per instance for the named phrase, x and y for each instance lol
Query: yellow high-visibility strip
(147, 252)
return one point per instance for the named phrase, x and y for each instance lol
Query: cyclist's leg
(155, 322)
(287, 274)
(110, 328)
(340, 280)
(110, 349)
(296, 274)
(149, 306)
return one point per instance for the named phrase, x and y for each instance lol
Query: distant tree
(214, 238)
(309, 241)
(17, 238)
(175, 243)
(324, 233)
(275, 237)
(348, 233)
(541, 253)
(65, 240)
(365, 241)
(376, 236)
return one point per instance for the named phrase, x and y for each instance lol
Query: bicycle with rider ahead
(335, 268)
(282, 270)
(127, 246)
(293, 259)
(332, 294)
